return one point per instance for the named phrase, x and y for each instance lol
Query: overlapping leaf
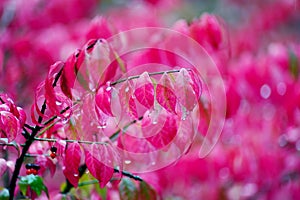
(166, 134)
(9, 125)
(144, 91)
(184, 91)
(127, 101)
(103, 100)
(100, 160)
(72, 162)
(165, 94)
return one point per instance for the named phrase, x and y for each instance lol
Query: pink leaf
(22, 116)
(103, 100)
(94, 155)
(184, 91)
(145, 91)
(68, 76)
(166, 133)
(98, 29)
(165, 95)
(3, 166)
(50, 96)
(9, 125)
(185, 134)
(72, 162)
(45, 163)
(195, 83)
(126, 100)
(145, 95)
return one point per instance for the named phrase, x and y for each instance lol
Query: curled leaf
(72, 162)
(103, 100)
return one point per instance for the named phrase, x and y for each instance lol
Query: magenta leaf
(165, 95)
(9, 125)
(95, 155)
(50, 96)
(166, 133)
(69, 72)
(72, 162)
(126, 100)
(103, 100)
(195, 83)
(184, 91)
(145, 95)
(144, 92)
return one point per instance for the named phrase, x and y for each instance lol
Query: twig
(150, 74)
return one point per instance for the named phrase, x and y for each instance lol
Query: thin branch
(150, 74)
(68, 141)
(29, 127)
(29, 141)
(129, 175)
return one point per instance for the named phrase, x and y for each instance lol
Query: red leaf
(69, 72)
(145, 91)
(184, 91)
(9, 125)
(126, 100)
(50, 96)
(99, 29)
(165, 95)
(94, 155)
(103, 100)
(185, 134)
(72, 162)
(22, 116)
(195, 83)
(166, 133)
(145, 95)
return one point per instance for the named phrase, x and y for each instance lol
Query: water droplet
(127, 89)
(64, 120)
(108, 88)
(102, 125)
(265, 91)
(127, 162)
(153, 163)
(64, 167)
(154, 121)
(76, 175)
(184, 113)
(58, 103)
(281, 88)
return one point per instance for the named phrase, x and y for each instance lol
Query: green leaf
(128, 190)
(34, 182)
(146, 192)
(4, 194)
